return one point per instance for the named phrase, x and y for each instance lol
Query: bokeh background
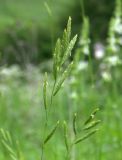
(28, 33)
(27, 30)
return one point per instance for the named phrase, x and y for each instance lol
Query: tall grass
(51, 122)
(61, 71)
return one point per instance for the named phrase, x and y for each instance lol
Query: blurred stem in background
(51, 24)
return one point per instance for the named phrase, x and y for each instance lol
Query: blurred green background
(28, 32)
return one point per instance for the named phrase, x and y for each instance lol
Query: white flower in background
(119, 29)
(99, 50)
(82, 65)
(113, 60)
(73, 95)
(11, 71)
(5, 71)
(106, 76)
(86, 50)
(117, 21)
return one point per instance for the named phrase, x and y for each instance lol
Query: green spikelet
(68, 29)
(92, 124)
(51, 133)
(56, 58)
(58, 50)
(66, 36)
(74, 123)
(7, 143)
(69, 49)
(64, 43)
(10, 150)
(62, 79)
(65, 136)
(85, 137)
(91, 116)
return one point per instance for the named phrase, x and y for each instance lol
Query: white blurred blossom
(99, 50)
(118, 25)
(82, 65)
(119, 29)
(10, 72)
(86, 50)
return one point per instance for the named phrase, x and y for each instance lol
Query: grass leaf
(51, 133)
(45, 91)
(85, 137)
(91, 116)
(92, 124)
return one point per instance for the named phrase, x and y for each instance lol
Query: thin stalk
(46, 121)
(52, 93)
(45, 129)
(82, 8)
(52, 26)
(71, 152)
(42, 153)
(91, 69)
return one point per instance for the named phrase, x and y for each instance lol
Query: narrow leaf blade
(85, 137)
(49, 136)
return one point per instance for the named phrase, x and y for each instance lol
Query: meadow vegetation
(69, 107)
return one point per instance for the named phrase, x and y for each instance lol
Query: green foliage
(60, 57)
(62, 79)
(51, 133)
(92, 82)
(61, 54)
(114, 34)
(85, 137)
(84, 41)
(13, 152)
(26, 36)
(61, 71)
(45, 91)
(77, 138)
(66, 135)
